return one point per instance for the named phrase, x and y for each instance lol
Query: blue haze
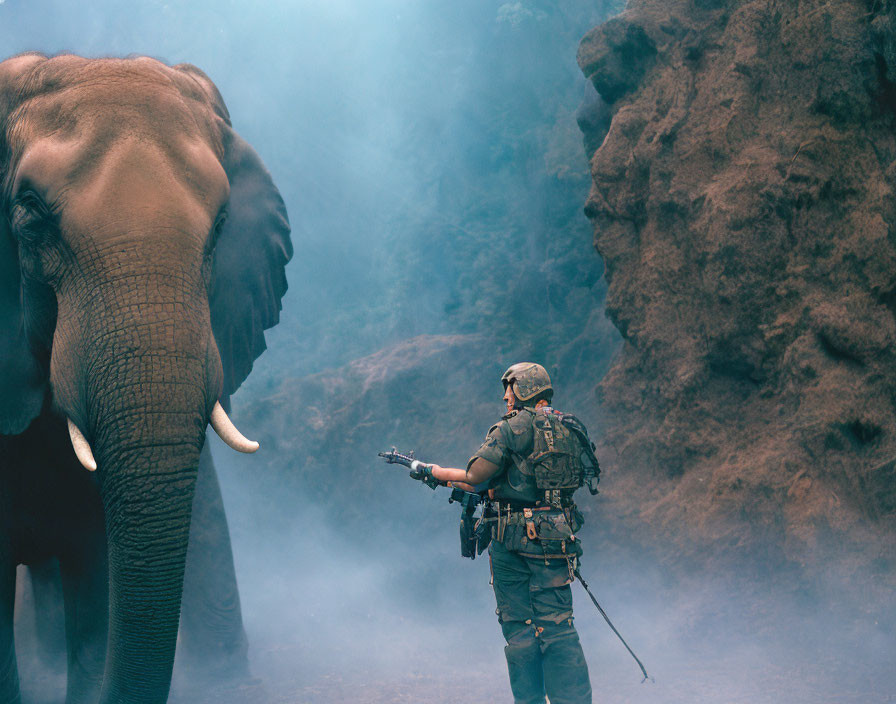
(428, 154)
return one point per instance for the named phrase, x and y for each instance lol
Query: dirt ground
(749, 676)
(284, 679)
(704, 684)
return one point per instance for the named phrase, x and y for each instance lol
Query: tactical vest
(547, 459)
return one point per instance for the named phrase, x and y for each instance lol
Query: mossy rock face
(742, 200)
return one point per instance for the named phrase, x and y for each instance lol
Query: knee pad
(518, 633)
(557, 633)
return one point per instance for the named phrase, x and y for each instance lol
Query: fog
(429, 158)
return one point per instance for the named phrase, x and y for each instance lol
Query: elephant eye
(32, 203)
(210, 243)
(35, 225)
(29, 208)
(216, 230)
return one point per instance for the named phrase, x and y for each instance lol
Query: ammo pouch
(475, 535)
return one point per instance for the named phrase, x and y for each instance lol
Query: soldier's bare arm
(479, 471)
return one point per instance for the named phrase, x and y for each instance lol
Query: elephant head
(142, 254)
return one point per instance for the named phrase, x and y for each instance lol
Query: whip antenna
(610, 624)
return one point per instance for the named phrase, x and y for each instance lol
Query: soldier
(532, 465)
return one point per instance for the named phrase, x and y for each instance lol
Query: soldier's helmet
(528, 380)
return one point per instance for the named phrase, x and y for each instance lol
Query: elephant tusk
(82, 447)
(227, 431)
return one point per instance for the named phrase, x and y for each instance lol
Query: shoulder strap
(522, 463)
(542, 424)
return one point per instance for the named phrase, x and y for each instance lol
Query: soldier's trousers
(543, 652)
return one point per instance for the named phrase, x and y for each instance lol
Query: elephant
(143, 247)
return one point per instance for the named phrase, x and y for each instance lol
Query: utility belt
(515, 513)
(530, 529)
(551, 499)
(536, 531)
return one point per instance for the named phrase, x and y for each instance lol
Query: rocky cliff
(743, 203)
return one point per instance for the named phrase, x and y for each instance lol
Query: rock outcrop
(743, 202)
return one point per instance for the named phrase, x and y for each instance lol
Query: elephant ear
(248, 278)
(23, 380)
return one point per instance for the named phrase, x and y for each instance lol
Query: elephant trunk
(148, 525)
(142, 390)
(148, 458)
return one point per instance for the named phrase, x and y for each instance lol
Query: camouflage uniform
(532, 576)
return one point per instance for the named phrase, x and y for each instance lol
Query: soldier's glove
(423, 472)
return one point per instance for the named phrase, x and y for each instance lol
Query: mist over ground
(430, 160)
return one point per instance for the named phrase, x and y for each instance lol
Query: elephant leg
(9, 673)
(212, 637)
(85, 586)
(49, 613)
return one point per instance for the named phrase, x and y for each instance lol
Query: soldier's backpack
(563, 456)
